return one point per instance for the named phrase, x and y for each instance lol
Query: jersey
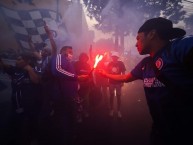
(24, 92)
(83, 69)
(116, 68)
(168, 100)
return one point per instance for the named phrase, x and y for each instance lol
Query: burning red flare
(98, 58)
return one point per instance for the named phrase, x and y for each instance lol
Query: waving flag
(28, 22)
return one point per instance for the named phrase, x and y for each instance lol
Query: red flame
(98, 58)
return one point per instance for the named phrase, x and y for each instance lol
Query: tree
(125, 16)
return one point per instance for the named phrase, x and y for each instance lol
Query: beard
(144, 51)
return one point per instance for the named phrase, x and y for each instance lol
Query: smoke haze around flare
(128, 19)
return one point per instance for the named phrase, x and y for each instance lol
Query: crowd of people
(51, 93)
(50, 89)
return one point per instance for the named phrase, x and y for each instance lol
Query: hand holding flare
(98, 58)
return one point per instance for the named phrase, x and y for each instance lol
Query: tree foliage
(127, 15)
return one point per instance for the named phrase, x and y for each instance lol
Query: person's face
(115, 58)
(20, 62)
(143, 43)
(68, 53)
(45, 53)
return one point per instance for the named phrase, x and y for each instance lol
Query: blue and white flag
(28, 22)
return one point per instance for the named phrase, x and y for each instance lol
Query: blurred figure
(42, 57)
(115, 67)
(25, 100)
(83, 68)
(43, 61)
(66, 89)
(101, 83)
(41, 53)
(65, 92)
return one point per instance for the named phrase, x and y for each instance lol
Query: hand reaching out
(102, 72)
(83, 77)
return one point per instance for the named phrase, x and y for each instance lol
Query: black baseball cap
(164, 26)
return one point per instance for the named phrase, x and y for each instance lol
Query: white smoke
(60, 33)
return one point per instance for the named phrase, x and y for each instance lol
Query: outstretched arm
(122, 78)
(50, 36)
(32, 47)
(57, 70)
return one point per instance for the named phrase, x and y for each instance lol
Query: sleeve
(123, 68)
(58, 71)
(76, 67)
(137, 72)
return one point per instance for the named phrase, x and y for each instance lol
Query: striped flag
(29, 22)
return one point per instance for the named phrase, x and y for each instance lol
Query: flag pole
(57, 10)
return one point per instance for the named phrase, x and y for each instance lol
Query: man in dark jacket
(167, 75)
